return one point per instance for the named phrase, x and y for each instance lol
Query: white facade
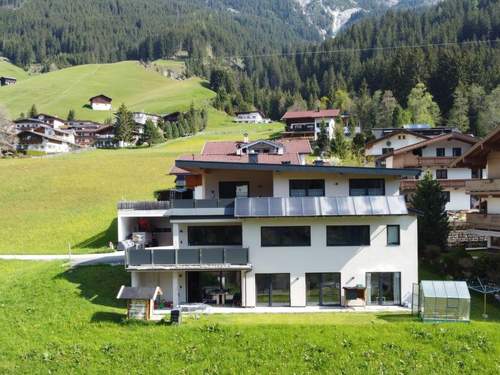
(101, 106)
(393, 142)
(251, 118)
(142, 117)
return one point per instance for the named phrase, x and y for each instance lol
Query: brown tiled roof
(311, 114)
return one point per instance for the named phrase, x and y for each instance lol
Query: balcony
(483, 221)
(483, 187)
(176, 204)
(201, 258)
(445, 184)
(443, 161)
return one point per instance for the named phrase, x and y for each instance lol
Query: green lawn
(126, 82)
(48, 203)
(55, 320)
(9, 70)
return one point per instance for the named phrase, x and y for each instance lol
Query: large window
(307, 188)
(383, 288)
(323, 289)
(393, 235)
(441, 174)
(285, 236)
(373, 186)
(233, 189)
(273, 289)
(215, 236)
(348, 235)
(440, 152)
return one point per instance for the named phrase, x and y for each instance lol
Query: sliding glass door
(383, 288)
(273, 289)
(323, 289)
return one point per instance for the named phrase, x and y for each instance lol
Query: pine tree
(33, 112)
(152, 134)
(430, 200)
(71, 115)
(167, 130)
(175, 130)
(459, 114)
(339, 144)
(323, 140)
(124, 125)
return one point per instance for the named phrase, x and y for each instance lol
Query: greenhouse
(444, 301)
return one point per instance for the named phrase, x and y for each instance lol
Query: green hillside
(126, 82)
(48, 203)
(9, 70)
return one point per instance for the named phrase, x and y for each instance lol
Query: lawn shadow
(98, 284)
(102, 239)
(398, 318)
(107, 316)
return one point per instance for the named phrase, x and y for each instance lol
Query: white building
(252, 117)
(267, 231)
(435, 155)
(53, 121)
(100, 103)
(308, 123)
(393, 141)
(30, 140)
(485, 155)
(141, 118)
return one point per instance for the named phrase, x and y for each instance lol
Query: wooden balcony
(483, 221)
(434, 161)
(483, 187)
(445, 184)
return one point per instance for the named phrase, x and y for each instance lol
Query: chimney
(253, 158)
(245, 138)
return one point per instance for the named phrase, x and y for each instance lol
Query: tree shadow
(98, 284)
(101, 239)
(107, 316)
(398, 318)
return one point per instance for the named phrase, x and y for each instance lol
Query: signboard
(138, 309)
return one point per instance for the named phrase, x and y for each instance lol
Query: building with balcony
(307, 124)
(484, 155)
(267, 229)
(391, 141)
(435, 155)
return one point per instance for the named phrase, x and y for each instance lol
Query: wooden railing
(412, 184)
(483, 221)
(483, 186)
(426, 161)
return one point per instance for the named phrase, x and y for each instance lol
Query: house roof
(101, 97)
(198, 165)
(44, 115)
(11, 78)
(395, 132)
(322, 113)
(143, 293)
(441, 138)
(476, 156)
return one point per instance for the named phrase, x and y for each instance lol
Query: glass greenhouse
(444, 301)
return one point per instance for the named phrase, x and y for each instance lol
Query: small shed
(140, 301)
(444, 301)
(7, 81)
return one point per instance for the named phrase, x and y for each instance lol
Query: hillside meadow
(55, 202)
(129, 82)
(59, 320)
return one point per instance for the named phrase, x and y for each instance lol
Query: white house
(53, 121)
(252, 117)
(30, 140)
(266, 229)
(484, 155)
(100, 103)
(393, 141)
(308, 123)
(141, 118)
(435, 155)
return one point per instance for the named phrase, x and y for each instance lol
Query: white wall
(459, 200)
(430, 151)
(352, 262)
(396, 142)
(336, 185)
(101, 107)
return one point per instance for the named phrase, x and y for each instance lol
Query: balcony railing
(483, 221)
(233, 256)
(487, 186)
(177, 203)
(427, 161)
(446, 184)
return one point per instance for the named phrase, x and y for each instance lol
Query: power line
(346, 50)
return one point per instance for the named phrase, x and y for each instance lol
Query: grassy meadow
(59, 320)
(126, 82)
(71, 199)
(9, 70)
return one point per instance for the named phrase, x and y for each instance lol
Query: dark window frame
(307, 189)
(235, 183)
(455, 153)
(269, 281)
(353, 236)
(367, 189)
(438, 152)
(447, 196)
(230, 228)
(399, 234)
(442, 172)
(294, 228)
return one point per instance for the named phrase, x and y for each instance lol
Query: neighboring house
(7, 81)
(252, 117)
(308, 123)
(31, 140)
(29, 123)
(141, 118)
(85, 132)
(484, 155)
(421, 129)
(105, 137)
(172, 117)
(435, 154)
(393, 141)
(100, 103)
(267, 230)
(53, 121)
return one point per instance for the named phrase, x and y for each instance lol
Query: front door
(383, 288)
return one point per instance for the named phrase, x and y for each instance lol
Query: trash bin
(175, 316)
